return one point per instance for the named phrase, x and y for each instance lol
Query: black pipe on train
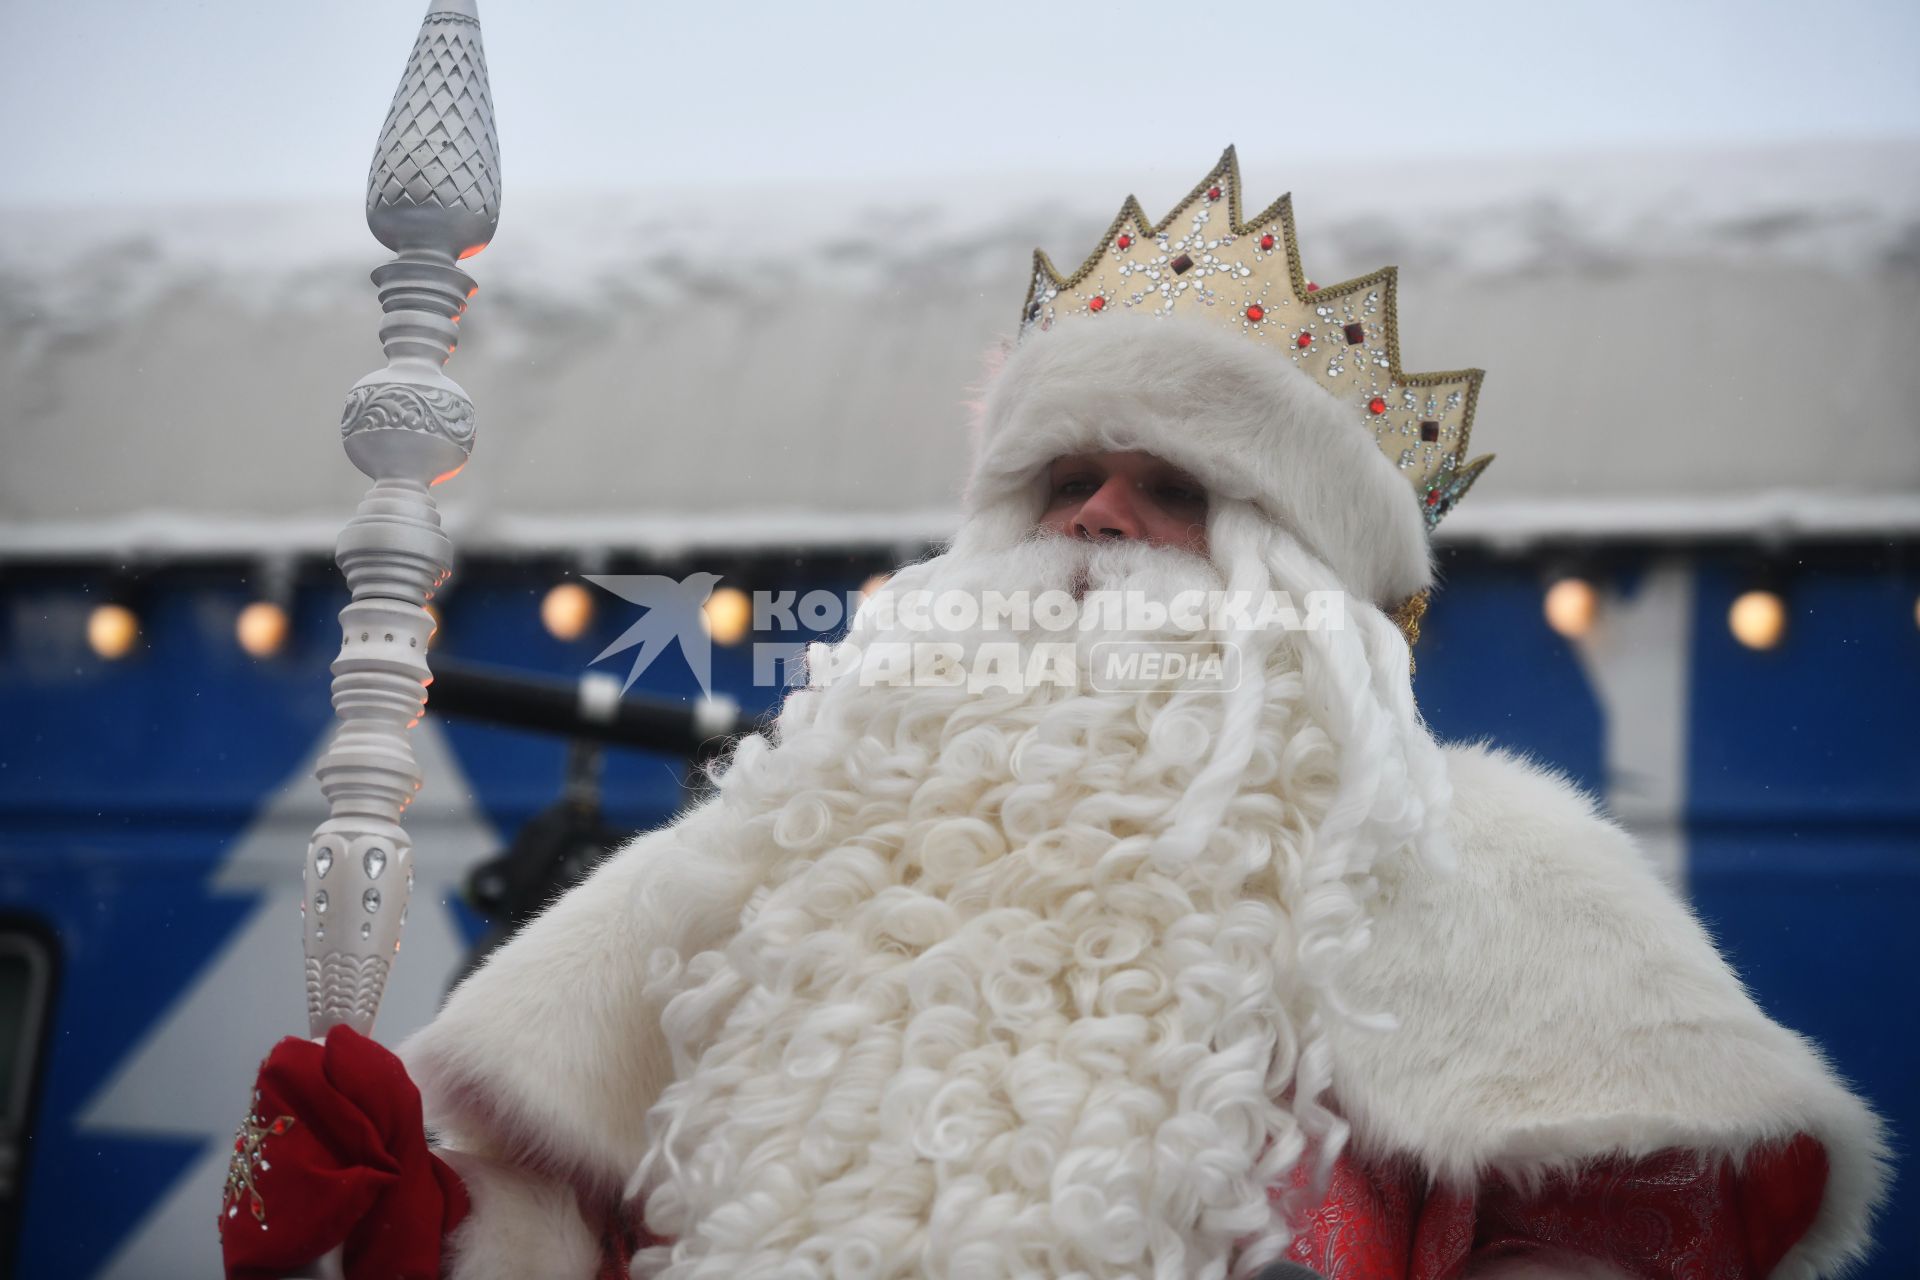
(590, 709)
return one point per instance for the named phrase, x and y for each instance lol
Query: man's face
(1131, 496)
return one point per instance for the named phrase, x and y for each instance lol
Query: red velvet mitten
(333, 1153)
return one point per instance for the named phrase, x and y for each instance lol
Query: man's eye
(1181, 495)
(1074, 488)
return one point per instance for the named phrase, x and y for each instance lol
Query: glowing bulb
(261, 628)
(728, 613)
(875, 585)
(566, 611)
(1758, 619)
(111, 630)
(1571, 606)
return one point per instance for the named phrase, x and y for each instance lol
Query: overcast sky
(138, 101)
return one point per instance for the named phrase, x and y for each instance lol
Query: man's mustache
(1076, 565)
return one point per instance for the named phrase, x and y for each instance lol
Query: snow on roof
(1687, 340)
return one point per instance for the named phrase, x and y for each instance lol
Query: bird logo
(674, 610)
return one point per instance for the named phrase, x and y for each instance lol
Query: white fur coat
(1555, 1001)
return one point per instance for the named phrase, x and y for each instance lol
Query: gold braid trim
(1407, 617)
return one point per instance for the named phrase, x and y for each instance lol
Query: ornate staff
(433, 197)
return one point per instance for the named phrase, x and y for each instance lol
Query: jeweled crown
(1204, 259)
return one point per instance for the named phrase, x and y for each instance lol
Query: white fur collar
(1557, 1002)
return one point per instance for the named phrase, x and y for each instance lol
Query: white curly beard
(1036, 980)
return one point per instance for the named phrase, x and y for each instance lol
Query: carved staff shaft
(433, 197)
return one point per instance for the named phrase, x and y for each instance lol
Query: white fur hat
(1237, 416)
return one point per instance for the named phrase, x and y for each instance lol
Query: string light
(567, 611)
(111, 630)
(435, 615)
(261, 628)
(1571, 606)
(1758, 619)
(728, 614)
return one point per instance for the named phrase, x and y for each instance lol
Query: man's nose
(1110, 513)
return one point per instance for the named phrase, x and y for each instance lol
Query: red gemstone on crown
(1356, 334)
(1213, 193)
(1376, 405)
(1124, 242)
(1256, 313)
(1433, 497)
(1304, 341)
(1266, 242)
(1096, 303)
(1430, 431)
(1312, 287)
(1181, 265)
